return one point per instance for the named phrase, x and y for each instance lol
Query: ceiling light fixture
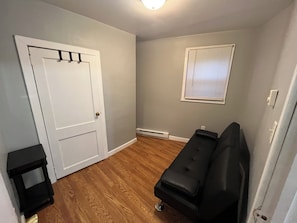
(153, 4)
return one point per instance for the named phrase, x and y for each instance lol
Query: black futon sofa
(208, 180)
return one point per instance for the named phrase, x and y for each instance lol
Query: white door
(71, 100)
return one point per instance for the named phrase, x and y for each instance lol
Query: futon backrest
(244, 174)
(222, 186)
(229, 138)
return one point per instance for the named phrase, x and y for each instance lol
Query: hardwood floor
(118, 189)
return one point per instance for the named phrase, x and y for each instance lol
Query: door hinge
(260, 216)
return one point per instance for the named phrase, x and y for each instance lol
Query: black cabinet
(35, 197)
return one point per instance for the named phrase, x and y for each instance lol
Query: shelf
(38, 196)
(24, 160)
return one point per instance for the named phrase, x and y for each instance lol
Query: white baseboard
(124, 146)
(22, 219)
(179, 139)
(118, 149)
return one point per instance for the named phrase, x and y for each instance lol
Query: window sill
(203, 101)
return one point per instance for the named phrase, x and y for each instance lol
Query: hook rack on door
(69, 56)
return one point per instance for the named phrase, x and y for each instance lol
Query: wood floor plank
(118, 189)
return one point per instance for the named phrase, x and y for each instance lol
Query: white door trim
(276, 147)
(22, 44)
(287, 204)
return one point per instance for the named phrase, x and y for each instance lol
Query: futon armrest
(180, 182)
(208, 134)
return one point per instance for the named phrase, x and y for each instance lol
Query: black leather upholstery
(180, 182)
(222, 186)
(208, 134)
(229, 138)
(205, 179)
(193, 160)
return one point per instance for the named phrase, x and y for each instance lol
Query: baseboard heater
(152, 133)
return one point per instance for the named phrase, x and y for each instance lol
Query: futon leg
(159, 206)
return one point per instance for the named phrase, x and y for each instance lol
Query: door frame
(285, 210)
(276, 149)
(23, 44)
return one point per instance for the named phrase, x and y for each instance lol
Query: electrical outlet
(203, 127)
(260, 216)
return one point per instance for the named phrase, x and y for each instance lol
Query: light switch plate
(271, 100)
(272, 131)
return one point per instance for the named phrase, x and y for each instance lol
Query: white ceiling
(176, 17)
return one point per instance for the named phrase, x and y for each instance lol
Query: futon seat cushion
(191, 163)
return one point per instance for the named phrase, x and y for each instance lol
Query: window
(206, 73)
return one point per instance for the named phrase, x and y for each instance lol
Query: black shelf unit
(38, 196)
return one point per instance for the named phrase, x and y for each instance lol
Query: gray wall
(160, 66)
(39, 20)
(281, 81)
(265, 59)
(7, 191)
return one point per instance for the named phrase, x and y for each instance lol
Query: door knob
(97, 114)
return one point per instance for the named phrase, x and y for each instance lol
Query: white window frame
(206, 100)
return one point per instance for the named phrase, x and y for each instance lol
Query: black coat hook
(79, 58)
(60, 56)
(70, 56)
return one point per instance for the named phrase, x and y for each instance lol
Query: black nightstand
(38, 196)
